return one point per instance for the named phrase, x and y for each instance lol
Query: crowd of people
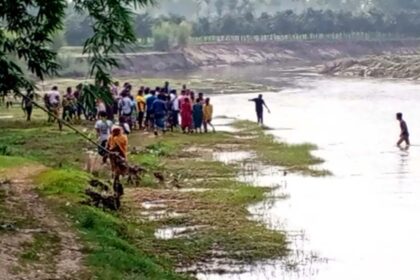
(162, 108)
(159, 109)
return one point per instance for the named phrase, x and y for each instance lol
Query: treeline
(310, 22)
(172, 31)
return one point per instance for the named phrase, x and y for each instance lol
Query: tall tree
(30, 25)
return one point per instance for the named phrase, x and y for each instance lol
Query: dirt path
(36, 243)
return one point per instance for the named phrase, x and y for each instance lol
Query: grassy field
(198, 192)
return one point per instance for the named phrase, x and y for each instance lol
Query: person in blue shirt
(259, 108)
(149, 109)
(198, 115)
(159, 112)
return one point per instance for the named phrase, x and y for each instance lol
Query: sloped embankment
(386, 66)
(218, 54)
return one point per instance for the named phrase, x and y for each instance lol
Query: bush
(163, 36)
(58, 41)
(183, 34)
(168, 35)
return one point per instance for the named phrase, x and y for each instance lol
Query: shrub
(183, 34)
(163, 36)
(168, 35)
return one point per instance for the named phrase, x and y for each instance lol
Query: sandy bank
(383, 66)
(261, 53)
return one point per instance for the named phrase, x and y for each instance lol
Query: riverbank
(385, 66)
(223, 54)
(198, 212)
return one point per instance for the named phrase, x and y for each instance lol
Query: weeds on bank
(123, 245)
(220, 211)
(111, 250)
(295, 157)
(46, 145)
(7, 161)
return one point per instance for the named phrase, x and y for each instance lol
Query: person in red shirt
(186, 115)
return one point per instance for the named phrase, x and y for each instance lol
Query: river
(360, 223)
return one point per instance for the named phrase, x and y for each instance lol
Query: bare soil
(21, 256)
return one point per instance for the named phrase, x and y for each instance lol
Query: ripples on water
(362, 222)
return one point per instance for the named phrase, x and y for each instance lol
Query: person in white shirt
(103, 130)
(53, 98)
(174, 108)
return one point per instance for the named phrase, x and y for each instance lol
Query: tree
(220, 6)
(77, 27)
(58, 41)
(163, 36)
(184, 32)
(143, 26)
(28, 29)
(27, 34)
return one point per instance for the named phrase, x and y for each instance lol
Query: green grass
(122, 245)
(222, 209)
(67, 184)
(46, 145)
(11, 161)
(296, 157)
(111, 253)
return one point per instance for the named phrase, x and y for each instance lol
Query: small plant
(5, 151)
(159, 149)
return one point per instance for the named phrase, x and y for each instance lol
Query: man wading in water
(405, 135)
(259, 108)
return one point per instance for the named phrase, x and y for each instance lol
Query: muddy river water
(362, 222)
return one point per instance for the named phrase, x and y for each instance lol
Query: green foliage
(27, 34)
(32, 33)
(44, 144)
(168, 35)
(143, 25)
(116, 257)
(58, 41)
(112, 254)
(159, 149)
(163, 36)
(78, 27)
(310, 21)
(69, 183)
(184, 34)
(294, 157)
(7, 161)
(5, 151)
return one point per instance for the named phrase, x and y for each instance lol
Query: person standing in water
(259, 108)
(405, 135)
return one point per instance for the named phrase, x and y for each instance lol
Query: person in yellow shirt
(208, 115)
(141, 107)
